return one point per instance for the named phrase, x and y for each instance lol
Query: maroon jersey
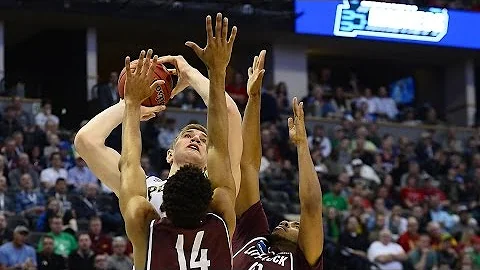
(203, 248)
(251, 248)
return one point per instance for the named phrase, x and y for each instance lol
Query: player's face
(288, 230)
(191, 148)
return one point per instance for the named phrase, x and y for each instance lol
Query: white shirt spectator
(79, 176)
(372, 103)
(41, 118)
(50, 175)
(387, 106)
(322, 143)
(377, 248)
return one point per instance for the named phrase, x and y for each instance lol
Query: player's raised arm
(136, 210)
(310, 236)
(187, 75)
(90, 143)
(216, 56)
(252, 148)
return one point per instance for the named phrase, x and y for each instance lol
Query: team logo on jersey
(390, 20)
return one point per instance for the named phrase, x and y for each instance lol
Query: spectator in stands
(397, 224)
(319, 140)
(386, 107)
(412, 194)
(52, 147)
(55, 209)
(269, 110)
(437, 214)
(6, 234)
(11, 153)
(167, 134)
(100, 262)
(118, 260)
(341, 104)
(82, 258)
(16, 254)
(451, 144)
(18, 137)
(47, 259)
(385, 253)
(408, 240)
(46, 115)
(431, 117)
(65, 243)
(101, 243)
(59, 192)
(355, 240)
(380, 224)
(49, 176)
(7, 205)
(23, 167)
(370, 100)
(448, 257)
(423, 257)
(3, 167)
(108, 94)
(24, 118)
(317, 105)
(283, 101)
(474, 254)
(237, 90)
(9, 123)
(466, 224)
(80, 175)
(334, 199)
(29, 203)
(86, 206)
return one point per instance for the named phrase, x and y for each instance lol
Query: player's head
(189, 147)
(285, 234)
(186, 197)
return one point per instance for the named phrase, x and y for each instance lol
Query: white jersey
(155, 193)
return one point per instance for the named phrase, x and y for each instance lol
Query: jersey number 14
(202, 263)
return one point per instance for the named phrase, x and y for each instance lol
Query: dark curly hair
(186, 197)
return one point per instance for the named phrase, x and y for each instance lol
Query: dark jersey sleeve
(300, 263)
(251, 224)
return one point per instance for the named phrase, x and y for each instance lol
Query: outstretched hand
(255, 74)
(138, 85)
(182, 69)
(217, 52)
(296, 125)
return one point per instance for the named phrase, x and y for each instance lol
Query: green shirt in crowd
(64, 243)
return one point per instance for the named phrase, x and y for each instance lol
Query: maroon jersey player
(189, 237)
(292, 245)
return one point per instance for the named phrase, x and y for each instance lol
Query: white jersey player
(189, 147)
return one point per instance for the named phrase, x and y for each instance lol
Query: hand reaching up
(138, 85)
(217, 52)
(255, 74)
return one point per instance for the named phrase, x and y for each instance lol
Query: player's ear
(169, 156)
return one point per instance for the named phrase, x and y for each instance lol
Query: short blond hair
(187, 128)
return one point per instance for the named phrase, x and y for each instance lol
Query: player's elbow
(85, 143)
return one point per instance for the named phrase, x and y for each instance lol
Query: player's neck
(278, 244)
(173, 170)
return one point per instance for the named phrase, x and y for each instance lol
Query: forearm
(100, 127)
(131, 152)
(201, 84)
(217, 126)
(309, 186)
(252, 147)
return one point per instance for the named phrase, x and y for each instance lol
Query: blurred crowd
(389, 201)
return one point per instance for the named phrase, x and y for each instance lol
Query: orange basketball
(162, 94)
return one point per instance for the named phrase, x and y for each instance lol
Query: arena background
(64, 51)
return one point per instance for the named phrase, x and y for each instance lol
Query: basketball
(162, 94)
